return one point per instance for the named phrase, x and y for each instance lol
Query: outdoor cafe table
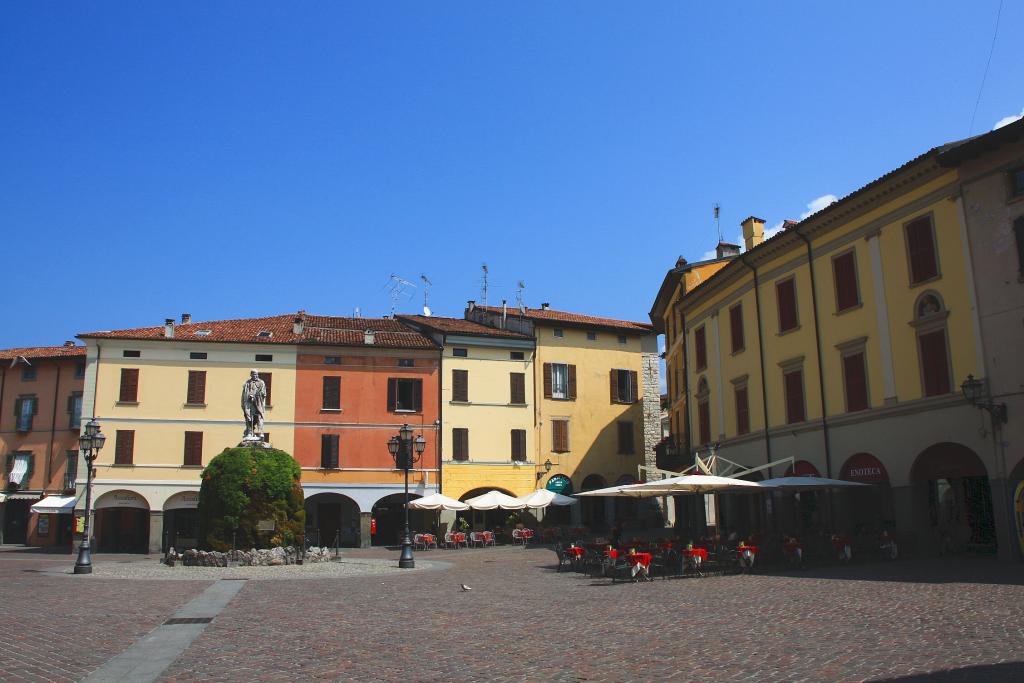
(459, 538)
(640, 562)
(574, 551)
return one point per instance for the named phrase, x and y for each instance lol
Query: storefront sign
(560, 483)
(864, 468)
(189, 500)
(44, 525)
(802, 468)
(265, 525)
(121, 499)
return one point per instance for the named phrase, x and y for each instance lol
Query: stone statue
(254, 402)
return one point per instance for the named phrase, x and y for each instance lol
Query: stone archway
(332, 519)
(181, 521)
(122, 522)
(594, 510)
(959, 497)
(389, 516)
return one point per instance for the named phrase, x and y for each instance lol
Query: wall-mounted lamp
(547, 468)
(973, 390)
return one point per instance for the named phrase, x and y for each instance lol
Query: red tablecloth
(639, 558)
(696, 552)
(751, 548)
(665, 546)
(574, 551)
(792, 545)
(428, 538)
(613, 554)
(459, 537)
(526, 533)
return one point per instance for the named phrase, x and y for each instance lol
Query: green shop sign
(560, 483)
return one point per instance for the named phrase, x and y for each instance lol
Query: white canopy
(54, 505)
(689, 483)
(808, 483)
(541, 498)
(436, 501)
(495, 499)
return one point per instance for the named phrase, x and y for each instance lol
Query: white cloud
(1007, 120)
(816, 205)
(708, 255)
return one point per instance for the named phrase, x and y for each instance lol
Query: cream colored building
(487, 407)
(168, 399)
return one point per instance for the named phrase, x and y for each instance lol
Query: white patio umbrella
(436, 501)
(689, 483)
(797, 484)
(493, 500)
(541, 498)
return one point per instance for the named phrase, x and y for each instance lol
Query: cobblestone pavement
(937, 620)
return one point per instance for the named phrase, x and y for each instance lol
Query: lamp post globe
(90, 443)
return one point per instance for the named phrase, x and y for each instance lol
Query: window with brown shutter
(460, 443)
(193, 449)
(519, 445)
(332, 393)
(934, 363)
(742, 411)
(623, 386)
(329, 451)
(626, 444)
(560, 436)
(700, 348)
(460, 386)
(736, 328)
(844, 272)
(405, 395)
(196, 394)
(855, 382)
(785, 294)
(794, 387)
(129, 385)
(921, 250)
(704, 421)
(572, 382)
(547, 380)
(517, 387)
(124, 447)
(267, 378)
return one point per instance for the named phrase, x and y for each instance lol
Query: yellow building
(667, 321)
(487, 407)
(597, 409)
(842, 343)
(168, 400)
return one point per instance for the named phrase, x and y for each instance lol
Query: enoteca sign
(122, 499)
(865, 469)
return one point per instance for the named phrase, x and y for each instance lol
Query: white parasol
(493, 500)
(436, 501)
(541, 498)
(690, 483)
(809, 483)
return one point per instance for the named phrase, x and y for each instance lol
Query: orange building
(358, 380)
(40, 415)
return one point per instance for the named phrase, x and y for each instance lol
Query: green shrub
(242, 486)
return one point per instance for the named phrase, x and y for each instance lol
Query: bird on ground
(465, 587)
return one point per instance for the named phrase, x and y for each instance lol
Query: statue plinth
(253, 441)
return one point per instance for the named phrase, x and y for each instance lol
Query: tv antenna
(399, 287)
(356, 313)
(426, 293)
(483, 288)
(519, 297)
(718, 227)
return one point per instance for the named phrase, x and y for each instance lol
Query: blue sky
(237, 159)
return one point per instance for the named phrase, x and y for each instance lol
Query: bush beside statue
(242, 487)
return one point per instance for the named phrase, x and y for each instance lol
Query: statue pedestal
(254, 442)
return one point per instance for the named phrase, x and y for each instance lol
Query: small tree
(242, 486)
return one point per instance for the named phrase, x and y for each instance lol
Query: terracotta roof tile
(317, 329)
(577, 319)
(462, 326)
(43, 352)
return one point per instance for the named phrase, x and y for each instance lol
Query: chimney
(680, 262)
(470, 305)
(68, 344)
(186, 318)
(169, 328)
(545, 307)
(753, 232)
(299, 324)
(504, 312)
(368, 337)
(726, 250)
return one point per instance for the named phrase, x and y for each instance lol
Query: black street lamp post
(406, 450)
(90, 442)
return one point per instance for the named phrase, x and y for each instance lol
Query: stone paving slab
(941, 620)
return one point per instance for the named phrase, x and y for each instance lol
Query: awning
(54, 505)
(24, 496)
